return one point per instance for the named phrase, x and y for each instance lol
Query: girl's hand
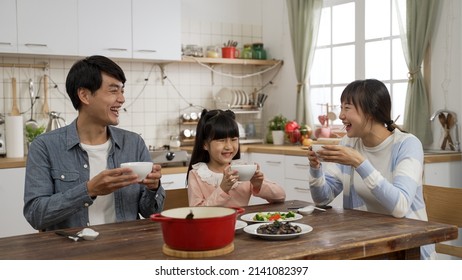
(229, 179)
(257, 179)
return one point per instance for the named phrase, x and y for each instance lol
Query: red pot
(210, 228)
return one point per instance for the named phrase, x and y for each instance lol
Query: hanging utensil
(31, 123)
(442, 119)
(14, 109)
(450, 121)
(45, 108)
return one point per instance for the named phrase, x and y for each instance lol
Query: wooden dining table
(337, 234)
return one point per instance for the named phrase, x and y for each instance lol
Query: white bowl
(307, 210)
(142, 169)
(316, 147)
(245, 171)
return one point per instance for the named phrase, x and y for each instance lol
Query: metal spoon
(68, 235)
(31, 123)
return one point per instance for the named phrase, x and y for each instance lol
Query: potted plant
(276, 128)
(32, 132)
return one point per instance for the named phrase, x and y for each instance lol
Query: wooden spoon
(450, 121)
(442, 119)
(45, 108)
(15, 109)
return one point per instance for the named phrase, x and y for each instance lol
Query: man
(73, 178)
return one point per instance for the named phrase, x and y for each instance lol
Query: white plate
(238, 98)
(225, 96)
(240, 225)
(252, 229)
(245, 97)
(249, 217)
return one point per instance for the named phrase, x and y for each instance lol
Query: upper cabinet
(105, 28)
(8, 35)
(140, 29)
(46, 27)
(156, 27)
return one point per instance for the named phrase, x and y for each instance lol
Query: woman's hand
(339, 154)
(314, 160)
(229, 179)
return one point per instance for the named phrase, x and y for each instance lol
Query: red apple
(294, 136)
(291, 126)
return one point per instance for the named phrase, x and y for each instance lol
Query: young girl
(378, 166)
(210, 180)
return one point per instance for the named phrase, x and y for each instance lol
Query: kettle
(55, 121)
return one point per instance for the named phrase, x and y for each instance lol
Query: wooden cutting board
(197, 254)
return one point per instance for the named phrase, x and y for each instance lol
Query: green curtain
(415, 37)
(304, 18)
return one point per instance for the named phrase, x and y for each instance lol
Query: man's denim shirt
(57, 173)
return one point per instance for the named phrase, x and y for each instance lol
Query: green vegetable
(290, 214)
(259, 217)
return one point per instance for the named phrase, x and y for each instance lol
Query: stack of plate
(231, 98)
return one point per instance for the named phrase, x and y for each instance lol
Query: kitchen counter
(292, 150)
(337, 234)
(21, 162)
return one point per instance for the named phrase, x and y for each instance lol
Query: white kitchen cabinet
(156, 29)
(296, 184)
(47, 27)
(12, 203)
(173, 181)
(105, 28)
(8, 31)
(443, 173)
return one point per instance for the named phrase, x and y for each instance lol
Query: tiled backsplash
(153, 103)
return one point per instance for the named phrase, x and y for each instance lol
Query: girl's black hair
(213, 124)
(373, 98)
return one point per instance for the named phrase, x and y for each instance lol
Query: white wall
(446, 74)
(155, 110)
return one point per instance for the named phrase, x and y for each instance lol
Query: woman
(378, 166)
(210, 180)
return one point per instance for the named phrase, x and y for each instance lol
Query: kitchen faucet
(456, 144)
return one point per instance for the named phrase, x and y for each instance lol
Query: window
(357, 40)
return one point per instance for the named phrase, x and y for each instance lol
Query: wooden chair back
(444, 205)
(176, 198)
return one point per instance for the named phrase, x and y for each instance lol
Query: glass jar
(213, 52)
(174, 142)
(247, 51)
(258, 52)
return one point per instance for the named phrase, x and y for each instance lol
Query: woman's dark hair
(87, 73)
(213, 124)
(373, 98)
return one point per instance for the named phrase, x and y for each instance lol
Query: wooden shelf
(236, 61)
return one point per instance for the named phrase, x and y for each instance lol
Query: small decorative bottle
(258, 52)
